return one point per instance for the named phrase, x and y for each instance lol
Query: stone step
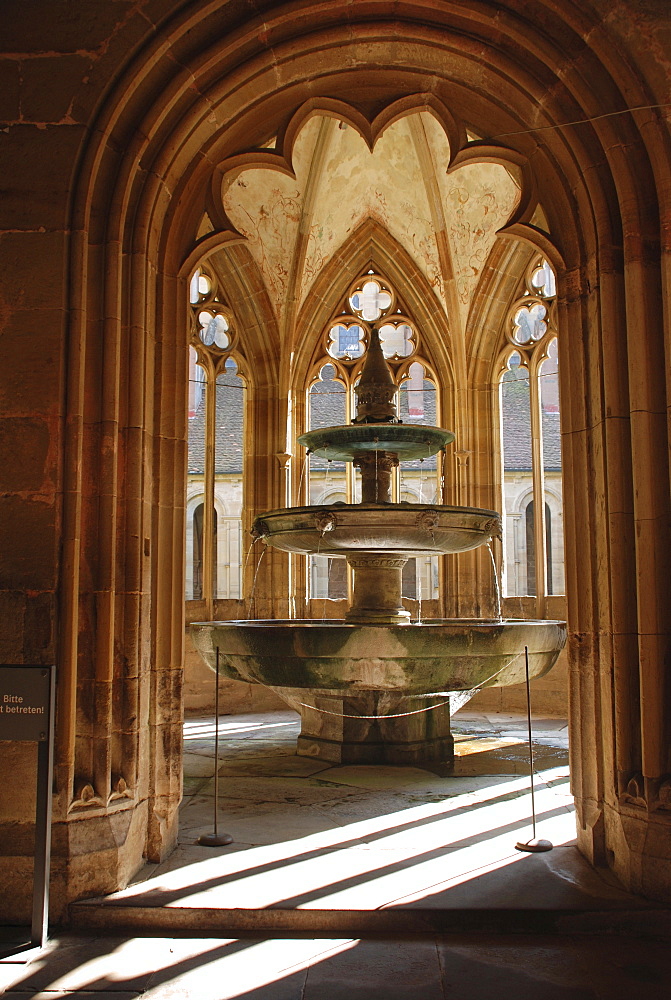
(185, 921)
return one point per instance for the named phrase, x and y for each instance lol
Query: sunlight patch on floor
(372, 862)
(465, 745)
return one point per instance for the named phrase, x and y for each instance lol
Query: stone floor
(315, 842)
(311, 835)
(452, 968)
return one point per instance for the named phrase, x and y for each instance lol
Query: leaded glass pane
(228, 462)
(517, 477)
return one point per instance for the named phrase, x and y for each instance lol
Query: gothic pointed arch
(239, 275)
(554, 82)
(371, 246)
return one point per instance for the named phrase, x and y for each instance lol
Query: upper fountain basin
(401, 528)
(345, 443)
(417, 659)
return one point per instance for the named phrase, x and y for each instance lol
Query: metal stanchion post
(534, 846)
(216, 839)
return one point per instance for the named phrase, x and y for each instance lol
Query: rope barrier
(417, 711)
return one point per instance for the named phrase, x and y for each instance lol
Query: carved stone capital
(380, 461)
(377, 562)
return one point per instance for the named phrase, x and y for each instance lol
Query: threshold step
(185, 921)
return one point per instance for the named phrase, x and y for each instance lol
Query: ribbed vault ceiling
(447, 222)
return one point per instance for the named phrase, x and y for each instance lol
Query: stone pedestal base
(341, 739)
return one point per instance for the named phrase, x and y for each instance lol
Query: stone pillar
(360, 729)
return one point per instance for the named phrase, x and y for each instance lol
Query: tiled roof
(228, 432)
(517, 430)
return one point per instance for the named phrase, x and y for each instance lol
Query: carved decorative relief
(635, 790)
(85, 796)
(376, 562)
(120, 789)
(427, 519)
(492, 527)
(664, 793)
(325, 522)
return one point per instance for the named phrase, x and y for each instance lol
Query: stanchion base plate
(214, 839)
(534, 846)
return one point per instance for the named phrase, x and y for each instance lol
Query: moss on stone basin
(330, 658)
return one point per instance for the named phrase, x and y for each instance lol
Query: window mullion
(538, 476)
(208, 501)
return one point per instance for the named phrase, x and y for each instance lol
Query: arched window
(533, 562)
(215, 449)
(371, 299)
(197, 560)
(530, 525)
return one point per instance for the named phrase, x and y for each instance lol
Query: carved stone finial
(376, 391)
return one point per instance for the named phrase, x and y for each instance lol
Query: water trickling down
(497, 587)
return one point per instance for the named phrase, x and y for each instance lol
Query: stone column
(377, 589)
(376, 468)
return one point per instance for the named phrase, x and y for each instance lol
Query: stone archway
(144, 178)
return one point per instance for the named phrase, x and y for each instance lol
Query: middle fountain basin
(390, 528)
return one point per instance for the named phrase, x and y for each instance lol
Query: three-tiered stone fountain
(377, 687)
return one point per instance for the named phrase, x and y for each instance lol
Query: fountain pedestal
(337, 730)
(334, 673)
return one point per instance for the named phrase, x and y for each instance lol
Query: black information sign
(24, 703)
(27, 704)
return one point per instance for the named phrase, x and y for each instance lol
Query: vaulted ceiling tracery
(295, 217)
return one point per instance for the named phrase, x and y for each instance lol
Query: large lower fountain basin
(372, 694)
(391, 528)
(415, 659)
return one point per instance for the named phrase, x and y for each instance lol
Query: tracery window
(215, 448)
(331, 401)
(533, 562)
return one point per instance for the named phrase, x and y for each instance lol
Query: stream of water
(256, 573)
(497, 585)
